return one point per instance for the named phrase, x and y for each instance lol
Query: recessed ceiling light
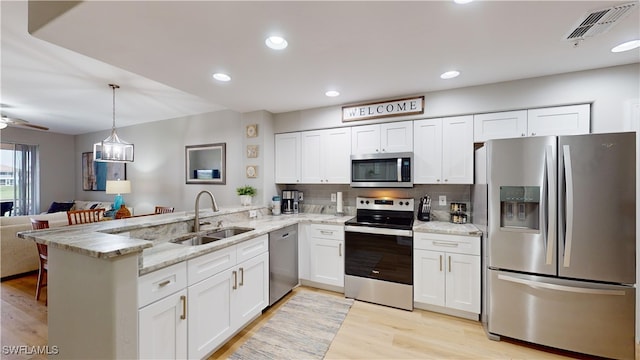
(222, 77)
(450, 74)
(332, 93)
(462, 1)
(276, 42)
(629, 45)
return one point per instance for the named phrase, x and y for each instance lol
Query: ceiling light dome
(450, 74)
(222, 77)
(629, 45)
(276, 42)
(332, 93)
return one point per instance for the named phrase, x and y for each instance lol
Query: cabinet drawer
(161, 283)
(333, 232)
(251, 248)
(449, 243)
(210, 264)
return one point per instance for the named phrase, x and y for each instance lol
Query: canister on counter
(275, 205)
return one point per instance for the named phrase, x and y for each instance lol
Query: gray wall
(57, 172)
(610, 90)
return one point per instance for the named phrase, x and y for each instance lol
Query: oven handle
(381, 231)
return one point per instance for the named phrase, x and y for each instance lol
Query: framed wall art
(252, 130)
(252, 151)
(96, 173)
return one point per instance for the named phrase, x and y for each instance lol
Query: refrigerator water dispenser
(520, 207)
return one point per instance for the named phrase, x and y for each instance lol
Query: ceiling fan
(11, 121)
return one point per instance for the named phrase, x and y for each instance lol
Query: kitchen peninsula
(93, 296)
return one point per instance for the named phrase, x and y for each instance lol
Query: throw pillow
(59, 206)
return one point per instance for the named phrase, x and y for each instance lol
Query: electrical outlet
(443, 200)
(333, 197)
(253, 214)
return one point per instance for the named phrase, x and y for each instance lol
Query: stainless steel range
(379, 252)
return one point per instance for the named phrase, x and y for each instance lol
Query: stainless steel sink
(211, 236)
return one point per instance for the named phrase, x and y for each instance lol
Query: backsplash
(317, 198)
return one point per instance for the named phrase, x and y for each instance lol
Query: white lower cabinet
(162, 318)
(447, 273)
(224, 302)
(163, 328)
(321, 255)
(189, 309)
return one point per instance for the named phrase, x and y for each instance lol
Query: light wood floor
(368, 332)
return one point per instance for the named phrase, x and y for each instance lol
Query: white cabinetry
(287, 152)
(235, 289)
(162, 321)
(189, 309)
(559, 120)
(326, 156)
(446, 271)
(321, 254)
(443, 150)
(380, 138)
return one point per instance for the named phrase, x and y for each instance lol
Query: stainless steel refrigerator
(562, 242)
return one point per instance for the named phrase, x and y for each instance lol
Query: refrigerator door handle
(557, 287)
(568, 175)
(550, 210)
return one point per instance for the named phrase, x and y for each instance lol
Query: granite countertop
(108, 239)
(166, 253)
(443, 227)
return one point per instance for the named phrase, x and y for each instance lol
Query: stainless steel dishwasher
(283, 262)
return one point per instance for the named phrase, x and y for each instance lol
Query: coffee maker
(290, 201)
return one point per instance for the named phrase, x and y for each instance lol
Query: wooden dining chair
(163, 210)
(42, 254)
(85, 216)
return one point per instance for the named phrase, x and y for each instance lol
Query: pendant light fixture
(112, 149)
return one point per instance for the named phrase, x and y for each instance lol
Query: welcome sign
(399, 107)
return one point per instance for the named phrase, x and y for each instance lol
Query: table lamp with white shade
(119, 187)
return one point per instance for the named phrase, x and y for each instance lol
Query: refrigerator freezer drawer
(590, 318)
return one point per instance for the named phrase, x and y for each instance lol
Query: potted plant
(246, 193)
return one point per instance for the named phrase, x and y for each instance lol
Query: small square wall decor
(252, 171)
(252, 130)
(252, 151)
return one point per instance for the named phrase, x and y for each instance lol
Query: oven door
(379, 253)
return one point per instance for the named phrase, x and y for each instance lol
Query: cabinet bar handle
(241, 276)
(235, 280)
(440, 262)
(445, 243)
(164, 283)
(183, 299)
(326, 232)
(449, 263)
(340, 249)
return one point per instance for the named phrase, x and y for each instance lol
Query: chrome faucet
(196, 226)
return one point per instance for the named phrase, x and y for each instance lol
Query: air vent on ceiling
(599, 21)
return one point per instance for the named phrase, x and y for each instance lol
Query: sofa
(19, 256)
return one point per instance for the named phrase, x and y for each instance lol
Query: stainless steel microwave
(382, 170)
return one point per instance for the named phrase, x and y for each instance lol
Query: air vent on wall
(599, 21)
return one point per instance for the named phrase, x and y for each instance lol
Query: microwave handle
(399, 169)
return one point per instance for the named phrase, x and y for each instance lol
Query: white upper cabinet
(326, 156)
(443, 151)
(457, 150)
(287, 149)
(501, 125)
(559, 120)
(381, 138)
